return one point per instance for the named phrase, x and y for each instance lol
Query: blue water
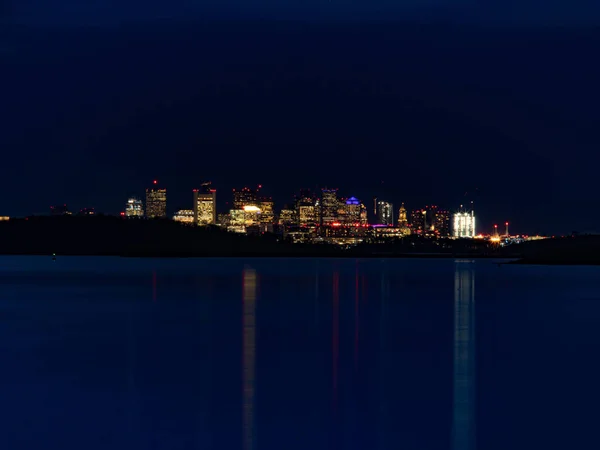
(109, 353)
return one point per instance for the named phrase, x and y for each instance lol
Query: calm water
(109, 353)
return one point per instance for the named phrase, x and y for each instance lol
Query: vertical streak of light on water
(132, 407)
(249, 357)
(316, 293)
(382, 350)
(463, 423)
(356, 299)
(335, 348)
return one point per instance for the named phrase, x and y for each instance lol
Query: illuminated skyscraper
(329, 206)
(431, 221)
(442, 222)
(267, 215)
(245, 197)
(134, 208)
(156, 201)
(385, 213)
(463, 224)
(287, 216)
(402, 219)
(306, 209)
(351, 212)
(418, 221)
(205, 205)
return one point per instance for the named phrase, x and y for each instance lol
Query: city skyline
(447, 114)
(307, 209)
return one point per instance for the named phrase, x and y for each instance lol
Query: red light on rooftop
(495, 226)
(155, 182)
(122, 213)
(506, 224)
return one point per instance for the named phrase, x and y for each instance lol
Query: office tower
(385, 213)
(463, 224)
(402, 219)
(134, 208)
(267, 215)
(205, 205)
(245, 197)
(287, 217)
(442, 222)
(184, 216)
(329, 206)
(306, 209)
(418, 221)
(430, 220)
(223, 220)
(252, 215)
(156, 201)
(363, 215)
(351, 212)
(237, 221)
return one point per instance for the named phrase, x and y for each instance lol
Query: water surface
(278, 354)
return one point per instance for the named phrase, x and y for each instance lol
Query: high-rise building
(134, 208)
(205, 205)
(306, 209)
(431, 221)
(156, 201)
(184, 216)
(287, 217)
(237, 221)
(385, 213)
(402, 219)
(463, 224)
(267, 215)
(351, 212)
(245, 197)
(329, 206)
(418, 221)
(442, 223)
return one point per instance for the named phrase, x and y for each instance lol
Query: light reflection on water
(463, 423)
(352, 354)
(249, 356)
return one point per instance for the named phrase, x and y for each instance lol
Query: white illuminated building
(463, 224)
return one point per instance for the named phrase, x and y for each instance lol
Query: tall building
(134, 208)
(245, 197)
(402, 219)
(351, 212)
(329, 206)
(156, 201)
(287, 217)
(418, 221)
(431, 221)
(267, 215)
(385, 213)
(306, 209)
(442, 223)
(463, 224)
(205, 205)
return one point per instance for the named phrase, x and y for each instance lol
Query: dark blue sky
(76, 12)
(432, 110)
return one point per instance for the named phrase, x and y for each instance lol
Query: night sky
(424, 102)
